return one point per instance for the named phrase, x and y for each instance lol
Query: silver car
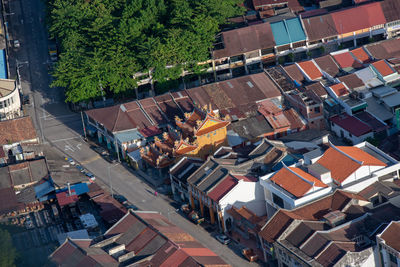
(223, 239)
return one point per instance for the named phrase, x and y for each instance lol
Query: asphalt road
(62, 129)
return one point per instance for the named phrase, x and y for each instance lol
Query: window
(277, 200)
(350, 135)
(5, 103)
(1, 104)
(317, 110)
(393, 258)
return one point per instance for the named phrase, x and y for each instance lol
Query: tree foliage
(103, 43)
(8, 252)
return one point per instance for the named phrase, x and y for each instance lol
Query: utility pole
(109, 180)
(83, 124)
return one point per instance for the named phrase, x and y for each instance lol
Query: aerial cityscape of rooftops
(200, 133)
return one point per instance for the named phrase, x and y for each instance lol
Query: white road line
(64, 139)
(56, 117)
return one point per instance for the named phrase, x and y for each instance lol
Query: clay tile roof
(361, 55)
(383, 68)
(310, 69)
(313, 211)
(346, 60)
(318, 89)
(293, 118)
(358, 18)
(296, 181)
(351, 124)
(320, 27)
(246, 39)
(391, 10)
(294, 73)
(331, 254)
(385, 50)
(352, 81)
(340, 89)
(342, 165)
(391, 235)
(17, 130)
(327, 64)
(223, 188)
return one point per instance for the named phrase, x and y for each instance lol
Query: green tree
(8, 252)
(103, 43)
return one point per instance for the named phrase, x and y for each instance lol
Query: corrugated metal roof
(288, 31)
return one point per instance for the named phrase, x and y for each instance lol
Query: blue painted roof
(129, 135)
(79, 189)
(43, 189)
(3, 65)
(296, 32)
(288, 31)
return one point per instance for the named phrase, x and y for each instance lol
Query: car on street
(102, 151)
(129, 205)
(80, 168)
(121, 199)
(16, 44)
(25, 100)
(223, 239)
(90, 175)
(71, 161)
(109, 159)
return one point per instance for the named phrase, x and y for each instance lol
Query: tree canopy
(8, 252)
(103, 43)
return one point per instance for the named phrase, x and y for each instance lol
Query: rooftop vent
(334, 218)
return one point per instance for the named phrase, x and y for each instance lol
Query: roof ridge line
(298, 175)
(342, 152)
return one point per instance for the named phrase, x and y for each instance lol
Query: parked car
(90, 175)
(109, 158)
(223, 239)
(25, 100)
(121, 199)
(71, 161)
(102, 151)
(16, 44)
(129, 205)
(80, 168)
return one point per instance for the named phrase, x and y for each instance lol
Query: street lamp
(109, 178)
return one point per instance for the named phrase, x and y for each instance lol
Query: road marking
(67, 147)
(78, 146)
(64, 139)
(55, 117)
(90, 160)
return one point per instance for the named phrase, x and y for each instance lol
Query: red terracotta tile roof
(340, 89)
(150, 131)
(391, 235)
(295, 181)
(313, 211)
(343, 164)
(383, 68)
(346, 60)
(361, 55)
(351, 124)
(310, 69)
(17, 130)
(358, 18)
(222, 188)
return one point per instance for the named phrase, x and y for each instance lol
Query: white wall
(13, 107)
(361, 172)
(355, 139)
(249, 194)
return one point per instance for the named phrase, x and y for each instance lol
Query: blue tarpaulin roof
(288, 160)
(288, 31)
(79, 189)
(44, 189)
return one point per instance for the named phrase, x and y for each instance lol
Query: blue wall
(3, 65)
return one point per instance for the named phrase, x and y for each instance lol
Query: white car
(16, 44)
(223, 239)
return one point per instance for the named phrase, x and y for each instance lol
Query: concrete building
(353, 168)
(10, 103)
(388, 250)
